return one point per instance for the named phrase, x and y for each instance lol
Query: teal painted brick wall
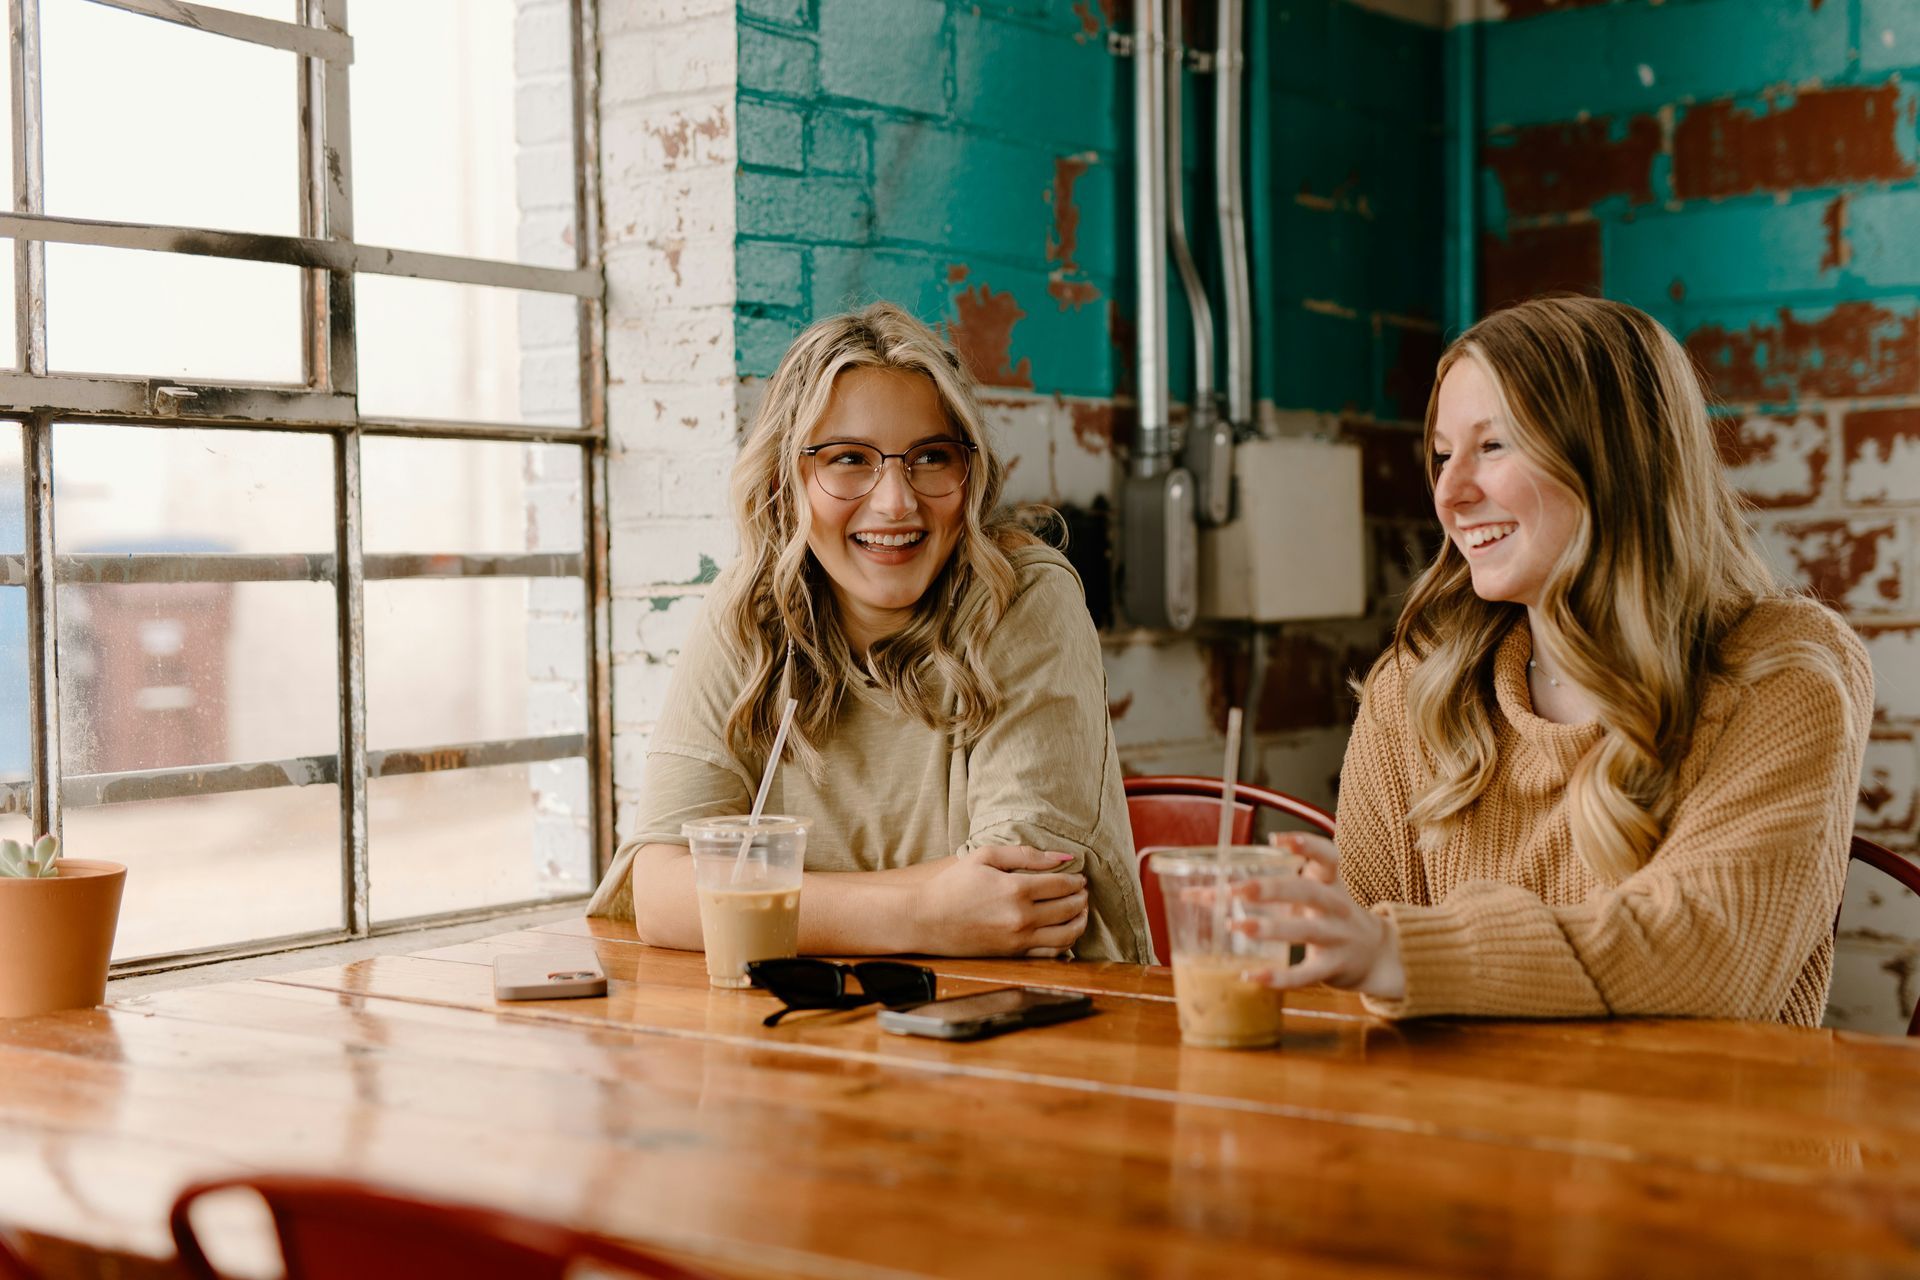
(975, 165)
(1749, 172)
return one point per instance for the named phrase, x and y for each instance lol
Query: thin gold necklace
(1535, 666)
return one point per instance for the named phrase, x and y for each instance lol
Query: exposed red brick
(1071, 294)
(1118, 708)
(1839, 249)
(1527, 263)
(1092, 425)
(1822, 138)
(982, 331)
(1124, 334)
(1564, 168)
(1409, 372)
(1858, 349)
(676, 139)
(1305, 684)
(1064, 236)
(956, 272)
(1833, 557)
(1518, 9)
(1872, 439)
(1092, 14)
(1759, 451)
(1393, 476)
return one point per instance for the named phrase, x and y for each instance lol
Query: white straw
(1229, 779)
(766, 782)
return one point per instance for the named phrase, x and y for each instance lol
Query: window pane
(13, 523)
(429, 349)
(476, 659)
(457, 80)
(478, 837)
(207, 871)
(460, 495)
(159, 675)
(15, 711)
(185, 489)
(171, 315)
(9, 330)
(193, 672)
(149, 121)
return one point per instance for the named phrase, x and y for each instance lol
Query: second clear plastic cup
(1218, 1008)
(749, 910)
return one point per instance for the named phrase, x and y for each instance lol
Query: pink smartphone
(548, 975)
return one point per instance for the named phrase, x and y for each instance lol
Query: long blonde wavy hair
(1661, 566)
(776, 594)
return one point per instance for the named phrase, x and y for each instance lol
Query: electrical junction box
(1296, 547)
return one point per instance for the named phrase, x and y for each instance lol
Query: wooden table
(667, 1115)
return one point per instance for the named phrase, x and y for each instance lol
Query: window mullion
(331, 173)
(349, 597)
(29, 187)
(43, 680)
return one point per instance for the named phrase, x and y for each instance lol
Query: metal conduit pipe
(1209, 444)
(1159, 565)
(1152, 444)
(1229, 80)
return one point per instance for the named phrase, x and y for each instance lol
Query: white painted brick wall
(668, 73)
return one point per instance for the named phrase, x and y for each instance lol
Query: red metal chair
(12, 1265)
(1180, 809)
(333, 1229)
(1901, 869)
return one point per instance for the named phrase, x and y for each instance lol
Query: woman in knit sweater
(1608, 766)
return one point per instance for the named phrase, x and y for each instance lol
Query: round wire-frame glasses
(847, 469)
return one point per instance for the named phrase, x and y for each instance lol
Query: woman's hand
(973, 904)
(1347, 946)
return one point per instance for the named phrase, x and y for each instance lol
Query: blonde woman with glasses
(1608, 766)
(951, 746)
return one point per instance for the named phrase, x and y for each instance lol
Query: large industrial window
(303, 559)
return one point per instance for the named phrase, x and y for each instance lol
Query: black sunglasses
(806, 983)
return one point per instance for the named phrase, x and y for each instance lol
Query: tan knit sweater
(1732, 916)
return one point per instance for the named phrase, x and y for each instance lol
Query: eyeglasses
(935, 468)
(806, 983)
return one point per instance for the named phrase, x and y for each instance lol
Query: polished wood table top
(666, 1115)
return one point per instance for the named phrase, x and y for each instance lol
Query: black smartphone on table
(986, 1013)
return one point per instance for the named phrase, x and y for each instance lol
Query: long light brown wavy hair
(1661, 566)
(776, 593)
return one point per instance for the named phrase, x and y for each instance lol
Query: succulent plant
(29, 862)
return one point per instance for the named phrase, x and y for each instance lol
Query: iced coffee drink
(747, 881)
(1218, 1007)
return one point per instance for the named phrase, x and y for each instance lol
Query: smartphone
(986, 1013)
(548, 975)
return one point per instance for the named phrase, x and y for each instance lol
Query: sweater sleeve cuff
(1437, 956)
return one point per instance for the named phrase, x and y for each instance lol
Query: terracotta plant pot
(56, 936)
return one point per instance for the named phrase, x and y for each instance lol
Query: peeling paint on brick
(1567, 168)
(1839, 249)
(1066, 283)
(1883, 455)
(1853, 565)
(982, 331)
(1856, 349)
(1305, 683)
(1889, 785)
(1518, 9)
(956, 272)
(677, 137)
(1092, 425)
(1809, 138)
(1117, 709)
(1408, 381)
(1775, 462)
(1228, 667)
(1531, 261)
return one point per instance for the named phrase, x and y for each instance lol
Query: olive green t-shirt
(895, 792)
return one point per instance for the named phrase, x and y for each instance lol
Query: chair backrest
(12, 1265)
(1901, 869)
(1184, 809)
(334, 1229)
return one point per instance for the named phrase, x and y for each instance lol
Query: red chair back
(12, 1265)
(333, 1229)
(1184, 809)
(1903, 870)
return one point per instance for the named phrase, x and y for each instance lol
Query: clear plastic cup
(1218, 1008)
(749, 908)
